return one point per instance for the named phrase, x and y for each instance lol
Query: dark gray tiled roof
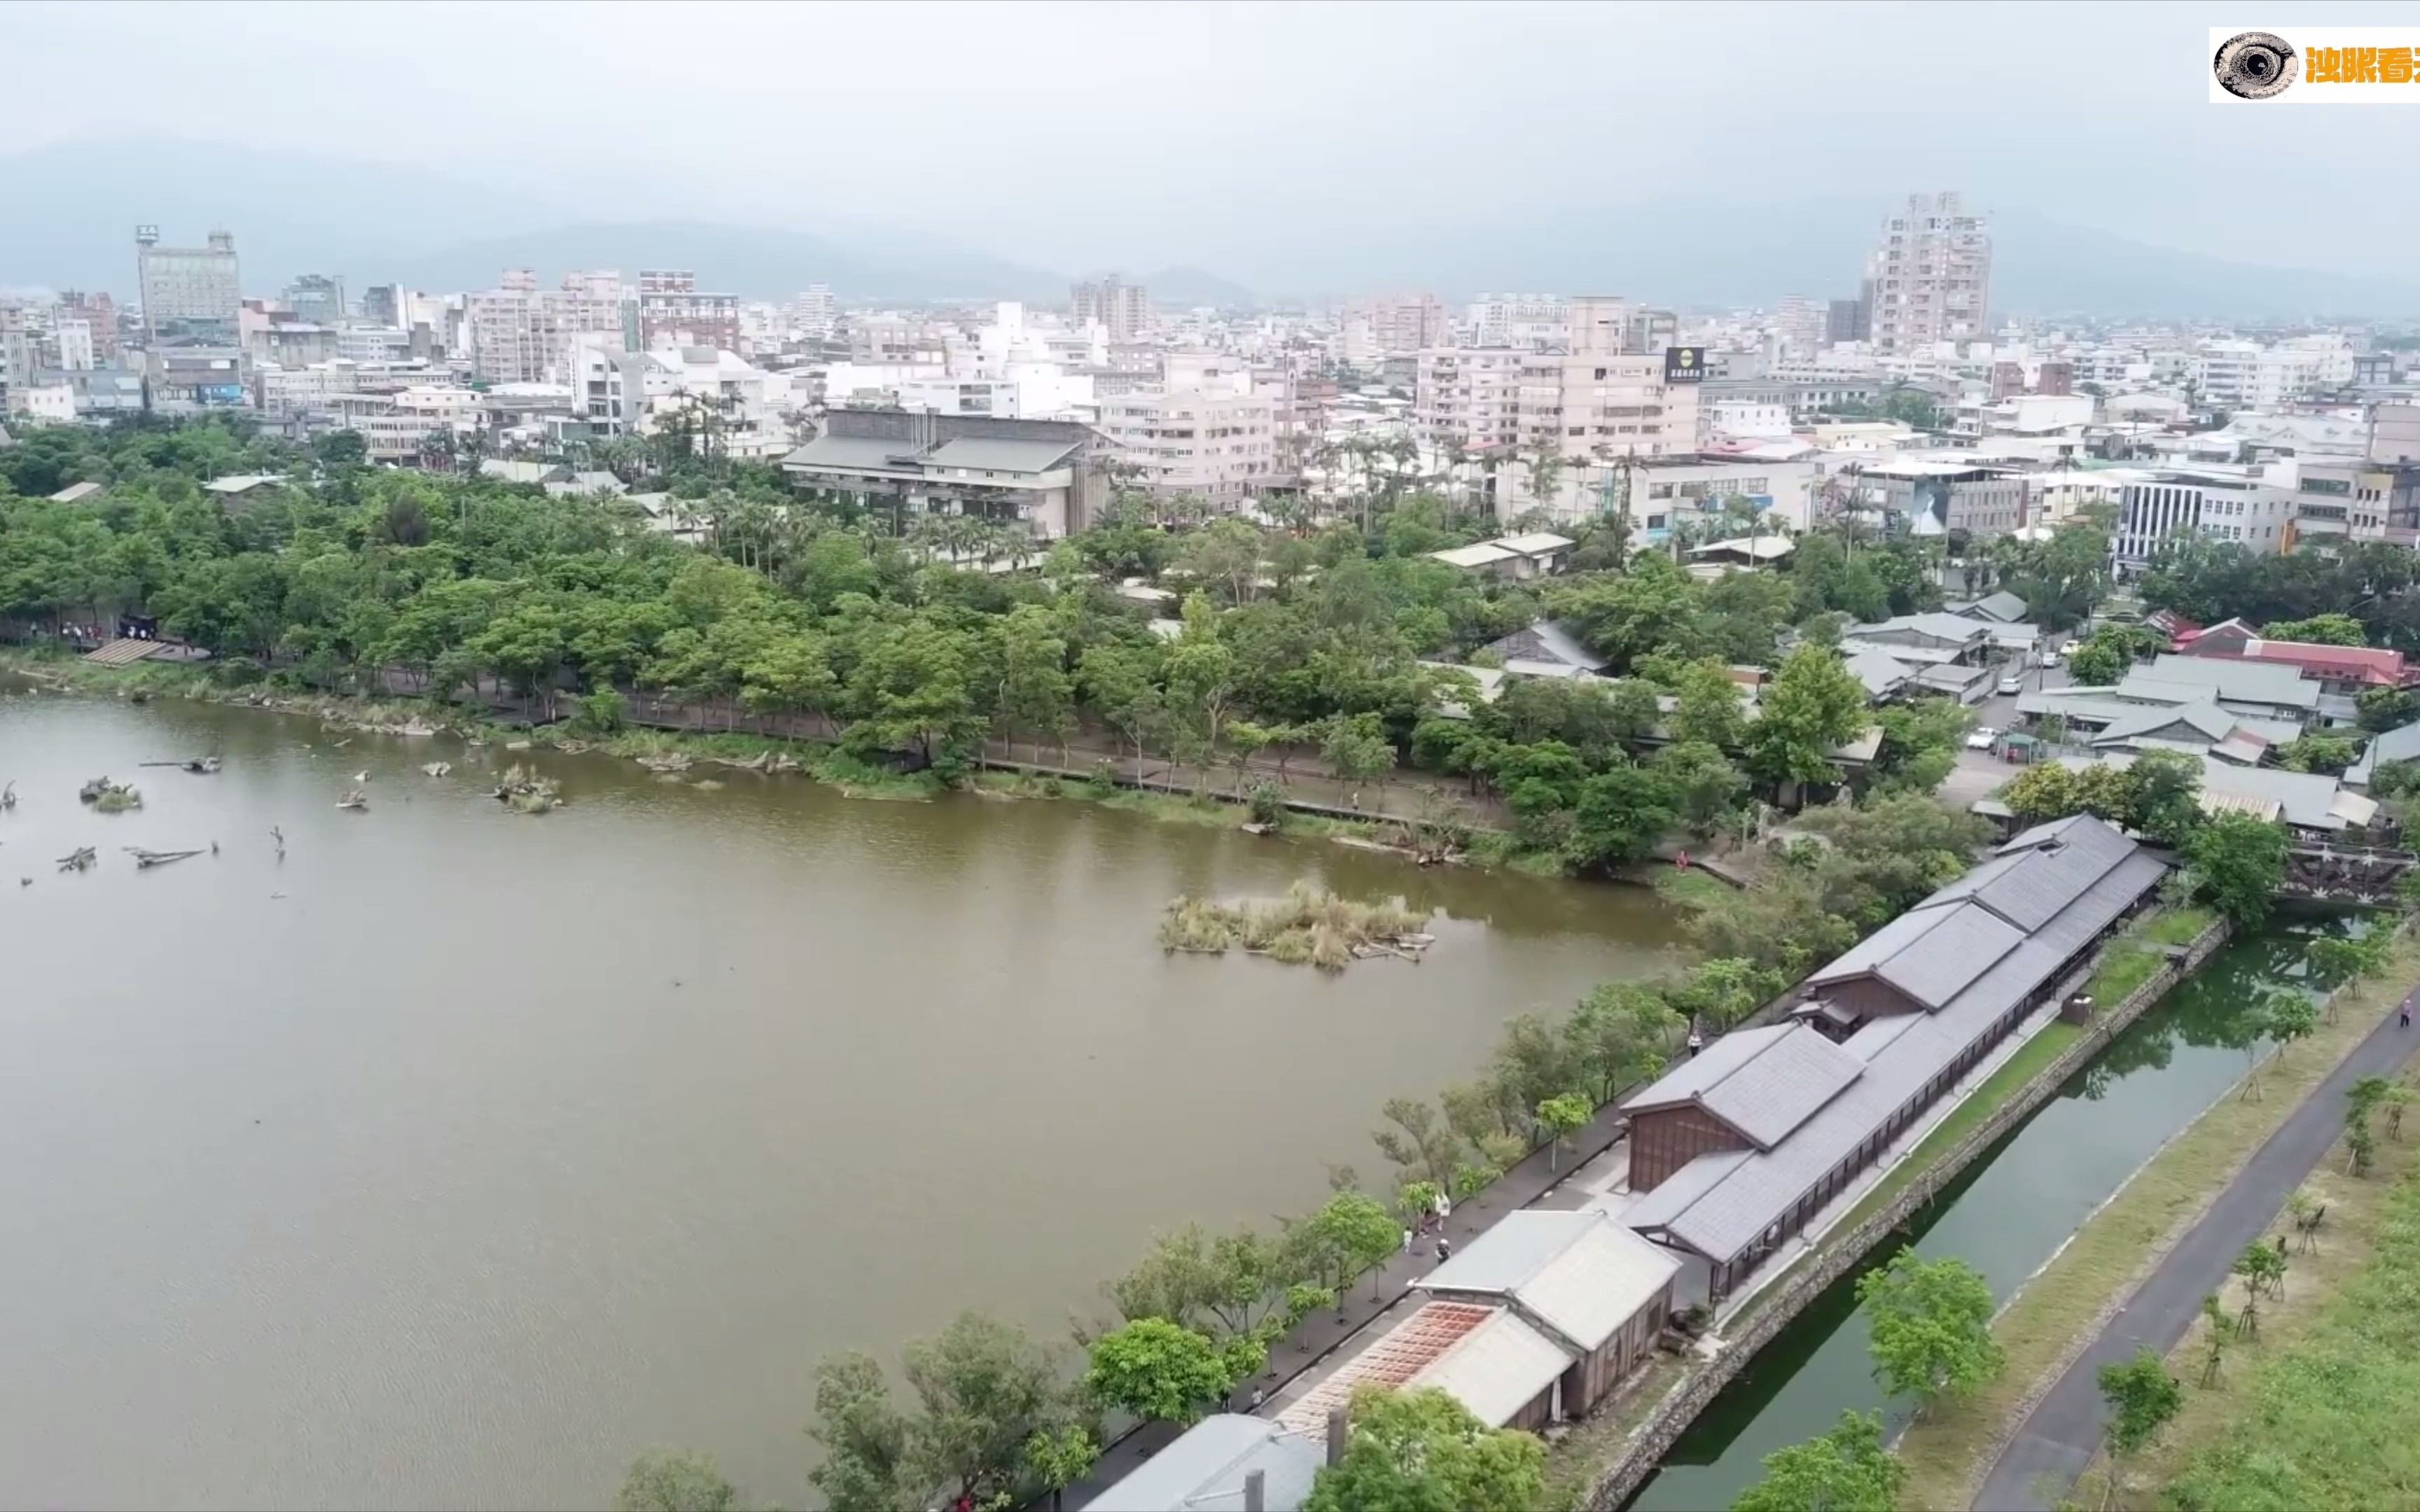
(2080, 870)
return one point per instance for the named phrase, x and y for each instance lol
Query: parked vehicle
(1980, 738)
(2013, 684)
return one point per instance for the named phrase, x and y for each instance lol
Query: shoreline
(817, 761)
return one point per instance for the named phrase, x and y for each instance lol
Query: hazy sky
(1081, 135)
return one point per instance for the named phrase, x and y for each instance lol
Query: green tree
(1557, 1118)
(1356, 750)
(1035, 692)
(1060, 1459)
(1847, 1469)
(1621, 1034)
(1422, 1451)
(2166, 796)
(1704, 787)
(1811, 709)
(1349, 1234)
(986, 1389)
(2097, 663)
(2143, 1399)
(864, 1437)
(1621, 815)
(2382, 709)
(1707, 707)
(673, 1480)
(1158, 1369)
(2238, 862)
(2322, 629)
(1121, 682)
(1931, 1327)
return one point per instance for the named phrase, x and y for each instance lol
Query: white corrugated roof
(1497, 1369)
(1582, 1273)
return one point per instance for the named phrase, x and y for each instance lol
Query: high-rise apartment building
(192, 296)
(519, 333)
(1800, 322)
(672, 311)
(1120, 308)
(1845, 321)
(1931, 277)
(1399, 325)
(1469, 397)
(1531, 320)
(318, 298)
(100, 315)
(815, 312)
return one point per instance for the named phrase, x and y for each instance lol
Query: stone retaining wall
(1841, 1255)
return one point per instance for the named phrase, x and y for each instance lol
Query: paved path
(2059, 1439)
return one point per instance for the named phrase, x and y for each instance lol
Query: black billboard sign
(1684, 365)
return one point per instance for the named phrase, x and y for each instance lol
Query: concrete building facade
(1930, 275)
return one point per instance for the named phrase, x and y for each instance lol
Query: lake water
(460, 1155)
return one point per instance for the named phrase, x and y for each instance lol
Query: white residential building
(1469, 397)
(814, 312)
(1929, 280)
(2245, 375)
(519, 333)
(1202, 430)
(2251, 507)
(1534, 321)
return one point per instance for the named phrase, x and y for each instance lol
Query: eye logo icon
(2256, 65)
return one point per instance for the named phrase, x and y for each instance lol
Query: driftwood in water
(79, 859)
(199, 766)
(438, 768)
(8, 795)
(150, 859)
(356, 800)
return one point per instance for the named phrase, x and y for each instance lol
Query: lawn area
(2055, 1313)
(1691, 888)
(2178, 927)
(2314, 1411)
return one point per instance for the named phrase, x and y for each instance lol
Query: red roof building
(2340, 669)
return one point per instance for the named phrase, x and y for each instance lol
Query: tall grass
(1307, 926)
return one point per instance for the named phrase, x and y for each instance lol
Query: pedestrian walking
(1258, 1397)
(1445, 1247)
(1445, 1208)
(1696, 1042)
(1407, 1242)
(2404, 1018)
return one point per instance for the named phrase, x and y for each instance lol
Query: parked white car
(2013, 684)
(1981, 737)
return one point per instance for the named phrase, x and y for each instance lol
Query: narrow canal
(2004, 1216)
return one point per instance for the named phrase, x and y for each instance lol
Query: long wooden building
(1735, 1151)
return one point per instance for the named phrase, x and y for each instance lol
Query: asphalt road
(2059, 1437)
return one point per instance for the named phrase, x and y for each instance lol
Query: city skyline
(1299, 145)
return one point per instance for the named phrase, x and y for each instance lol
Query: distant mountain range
(72, 208)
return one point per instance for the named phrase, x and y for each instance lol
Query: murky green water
(2004, 1216)
(461, 1155)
